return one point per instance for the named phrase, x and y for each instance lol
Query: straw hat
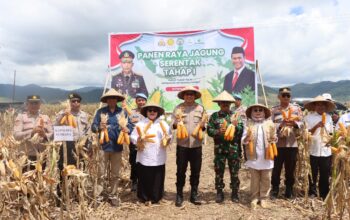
(152, 105)
(330, 106)
(224, 97)
(267, 111)
(112, 93)
(181, 94)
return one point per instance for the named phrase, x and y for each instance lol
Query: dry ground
(280, 208)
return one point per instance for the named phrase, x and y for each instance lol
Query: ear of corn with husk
(68, 119)
(104, 137)
(144, 137)
(182, 132)
(198, 132)
(123, 136)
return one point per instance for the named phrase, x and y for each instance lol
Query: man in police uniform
(31, 123)
(188, 150)
(287, 146)
(128, 82)
(136, 116)
(238, 107)
(81, 120)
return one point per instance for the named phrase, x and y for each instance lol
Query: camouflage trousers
(221, 154)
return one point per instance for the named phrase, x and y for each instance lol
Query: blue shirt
(112, 126)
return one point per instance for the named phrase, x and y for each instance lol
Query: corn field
(33, 194)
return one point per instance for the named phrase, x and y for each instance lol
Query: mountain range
(339, 90)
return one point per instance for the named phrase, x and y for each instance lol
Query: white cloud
(64, 43)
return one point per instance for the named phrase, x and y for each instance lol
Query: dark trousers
(150, 185)
(71, 160)
(288, 157)
(194, 157)
(320, 166)
(132, 161)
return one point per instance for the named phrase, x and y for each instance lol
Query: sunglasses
(189, 93)
(75, 101)
(258, 110)
(285, 95)
(152, 110)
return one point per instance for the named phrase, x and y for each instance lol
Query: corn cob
(232, 132)
(150, 135)
(274, 147)
(323, 118)
(342, 129)
(195, 131)
(284, 115)
(126, 138)
(147, 127)
(289, 113)
(200, 134)
(272, 156)
(335, 150)
(120, 138)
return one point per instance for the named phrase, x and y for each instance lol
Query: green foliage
(248, 96)
(216, 84)
(226, 64)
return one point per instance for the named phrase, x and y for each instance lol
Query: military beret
(33, 98)
(126, 54)
(141, 95)
(238, 50)
(284, 90)
(74, 96)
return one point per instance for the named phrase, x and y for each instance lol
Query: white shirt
(345, 119)
(260, 163)
(318, 148)
(153, 154)
(239, 71)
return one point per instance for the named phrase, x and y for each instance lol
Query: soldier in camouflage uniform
(224, 149)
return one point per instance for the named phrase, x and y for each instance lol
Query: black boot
(234, 197)
(274, 193)
(179, 198)
(194, 196)
(219, 196)
(289, 192)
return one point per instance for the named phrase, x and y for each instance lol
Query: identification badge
(135, 84)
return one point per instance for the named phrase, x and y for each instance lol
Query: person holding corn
(188, 118)
(226, 128)
(79, 122)
(320, 125)
(136, 117)
(113, 126)
(288, 118)
(30, 124)
(259, 139)
(151, 136)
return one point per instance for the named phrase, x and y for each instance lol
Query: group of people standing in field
(263, 139)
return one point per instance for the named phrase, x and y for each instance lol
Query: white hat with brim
(224, 97)
(267, 111)
(112, 93)
(152, 105)
(330, 106)
(181, 94)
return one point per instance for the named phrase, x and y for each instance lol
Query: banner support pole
(261, 82)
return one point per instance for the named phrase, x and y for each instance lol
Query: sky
(64, 44)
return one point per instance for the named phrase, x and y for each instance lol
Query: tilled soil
(280, 208)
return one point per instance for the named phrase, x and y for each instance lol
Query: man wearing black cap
(81, 129)
(288, 120)
(32, 123)
(241, 76)
(127, 81)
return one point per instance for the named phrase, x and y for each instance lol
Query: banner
(164, 63)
